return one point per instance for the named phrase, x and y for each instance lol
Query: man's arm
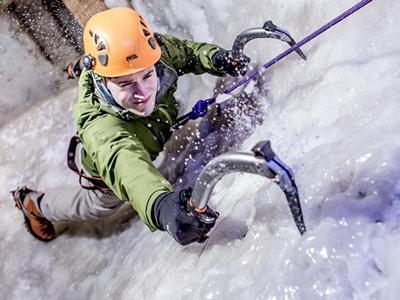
(187, 56)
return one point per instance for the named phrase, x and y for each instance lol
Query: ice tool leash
(269, 30)
(264, 162)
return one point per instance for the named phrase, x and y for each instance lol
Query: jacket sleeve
(119, 157)
(187, 56)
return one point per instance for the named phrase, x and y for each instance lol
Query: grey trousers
(78, 204)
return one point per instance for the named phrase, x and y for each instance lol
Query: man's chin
(141, 113)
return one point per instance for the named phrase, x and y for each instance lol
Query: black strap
(98, 183)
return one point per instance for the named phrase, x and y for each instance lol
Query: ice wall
(26, 76)
(332, 118)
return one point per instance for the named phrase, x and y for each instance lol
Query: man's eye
(148, 75)
(127, 84)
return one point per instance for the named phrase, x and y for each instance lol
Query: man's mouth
(140, 100)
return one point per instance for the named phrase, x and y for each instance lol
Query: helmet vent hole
(96, 38)
(146, 33)
(152, 43)
(91, 33)
(144, 25)
(101, 46)
(103, 59)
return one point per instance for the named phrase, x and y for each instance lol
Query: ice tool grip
(264, 162)
(269, 30)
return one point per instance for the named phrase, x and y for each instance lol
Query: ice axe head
(269, 30)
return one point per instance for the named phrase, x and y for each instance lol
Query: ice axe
(262, 162)
(268, 30)
(274, 32)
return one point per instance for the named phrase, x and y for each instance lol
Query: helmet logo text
(131, 57)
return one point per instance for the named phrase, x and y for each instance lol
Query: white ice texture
(334, 119)
(25, 76)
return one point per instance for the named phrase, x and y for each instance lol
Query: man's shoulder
(165, 48)
(170, 48)
(163, 39)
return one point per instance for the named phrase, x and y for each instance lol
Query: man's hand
(170, 213)
(233, 65)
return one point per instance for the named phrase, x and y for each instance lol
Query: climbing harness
(97, 182)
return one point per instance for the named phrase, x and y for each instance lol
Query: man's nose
(140, 89)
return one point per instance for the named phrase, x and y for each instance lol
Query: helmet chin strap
(105, 94)
(158, 84)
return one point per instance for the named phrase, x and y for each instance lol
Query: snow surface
(334, 119)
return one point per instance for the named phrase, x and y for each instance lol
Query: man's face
(135, 92)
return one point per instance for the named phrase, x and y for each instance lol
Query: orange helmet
(119, 42)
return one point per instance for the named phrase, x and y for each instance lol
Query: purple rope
(296, 46)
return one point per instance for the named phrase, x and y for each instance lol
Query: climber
(123, 117)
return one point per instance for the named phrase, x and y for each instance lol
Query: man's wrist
(156, 209)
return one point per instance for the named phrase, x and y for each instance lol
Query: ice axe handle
(246, 36)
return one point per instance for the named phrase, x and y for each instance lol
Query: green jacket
(119, 146)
